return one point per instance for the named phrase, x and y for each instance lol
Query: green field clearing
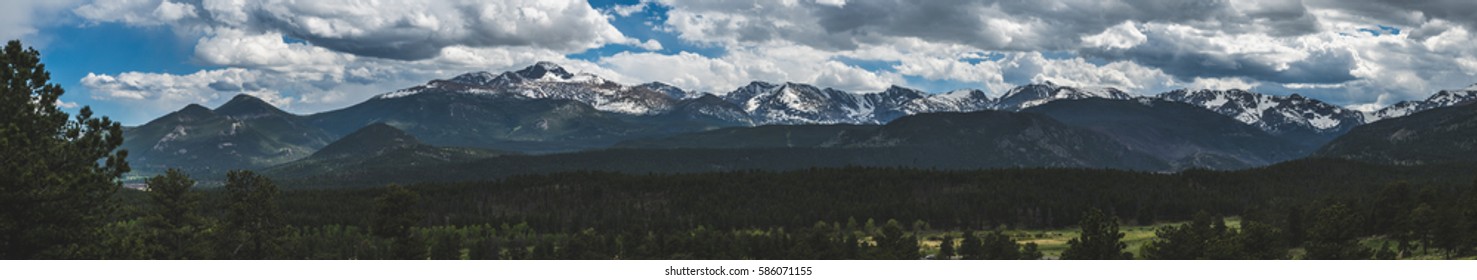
(1053, 242)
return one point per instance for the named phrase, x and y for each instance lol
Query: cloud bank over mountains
(315, 55)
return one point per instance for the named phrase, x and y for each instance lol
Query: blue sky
(137, 60)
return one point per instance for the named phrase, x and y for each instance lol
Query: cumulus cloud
(20, 19)
(316, 55)
(66, 105)
(303, 78)
(394, 29)
(324, 54)
(235, 48)
(995, 25)
(1255, 40)
(196, 87)
(628, 10)
(650, 45)
(1122, 36)
(1221, 83)
(740, 66)
(1189, 53)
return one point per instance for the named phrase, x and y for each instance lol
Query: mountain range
(246, 132)
(545, 109)
(376, 146)
(1440, 135)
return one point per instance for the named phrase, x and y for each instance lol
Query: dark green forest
(61, 199)
(839, 213)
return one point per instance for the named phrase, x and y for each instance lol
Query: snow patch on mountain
(1274, 114)
(1033, 95)
(1442, 98)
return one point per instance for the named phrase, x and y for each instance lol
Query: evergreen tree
(446, 243)
(252, 228)
(998, 246)
(1423, 225)
(1384, 253)
(486, 248)
(946, 248)
(1452, 231)
(543, 250)
(895, 244)
(178, 228)
(395, 217)
(1260, 241)
(1390, 215)
(1295, 232)
(1100, 239)
(971, 248)
(1188, 241)
(1029, 251)
(1335, 235)
(60, 172)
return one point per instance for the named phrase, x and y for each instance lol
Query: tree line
(251, 227)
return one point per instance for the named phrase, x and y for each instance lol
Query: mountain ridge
(544, 108)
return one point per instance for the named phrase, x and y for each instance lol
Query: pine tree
(178, 227)
(998, 246)
(946, 248)
(446, 243)
(1100, 239)
(1335, 236)
(60, 172)
(1029, 251)
(1260, 241)
(1423, 225)
(252, 228)
(1384, 253)
(1189, 241)
(895, 244)
(395, 217)
(485, 248)
(971, 248)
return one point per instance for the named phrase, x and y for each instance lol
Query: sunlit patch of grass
(1052, 242)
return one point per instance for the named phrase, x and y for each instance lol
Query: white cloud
(1122, 36)
(395, 29)
(66, 105)
(131, 12)
(650, 45)
(778, 63)
(835, 3)
(350, 50)
(20, 19)
(628, 10)
(171, 11)
(1221, 83)
(235, 48)
(167, 91)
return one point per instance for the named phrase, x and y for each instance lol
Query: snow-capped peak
(1452, 97)
(1032, 95)
(1274, 114)
(475, 78)
(1103, 92)
(546, 71)
(797, 103)
(670, 90)
(1440, 99)
(958, 93)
